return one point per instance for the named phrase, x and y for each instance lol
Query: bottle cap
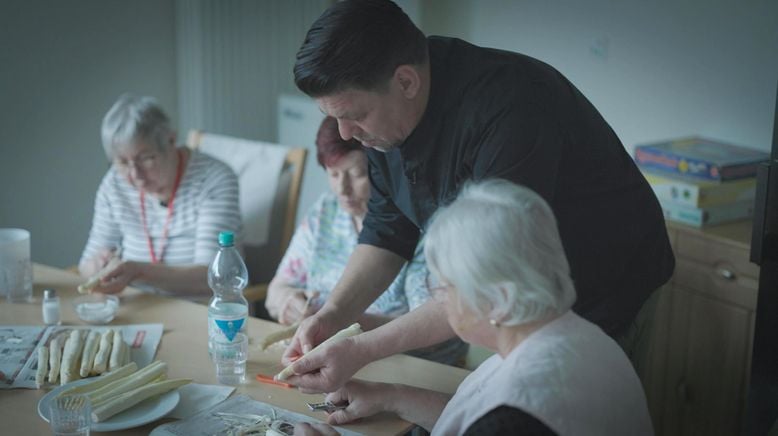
(226, 239)
(49, 293)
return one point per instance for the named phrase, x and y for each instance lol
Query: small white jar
(50, 308)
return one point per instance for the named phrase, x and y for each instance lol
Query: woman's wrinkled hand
(363, 398)
(94, 264)
(314, 429)
(117, 279)
(292, 309)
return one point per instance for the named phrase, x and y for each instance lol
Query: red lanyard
(166, 228)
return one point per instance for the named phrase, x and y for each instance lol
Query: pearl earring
(494, 323)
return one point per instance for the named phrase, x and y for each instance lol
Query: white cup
(15, 265)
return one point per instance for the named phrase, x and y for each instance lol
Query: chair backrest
(263, 260)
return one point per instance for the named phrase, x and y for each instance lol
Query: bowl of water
(96, 308)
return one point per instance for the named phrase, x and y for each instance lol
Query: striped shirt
(206, 203)
(317, 257)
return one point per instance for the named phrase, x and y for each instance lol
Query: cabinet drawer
(711, 281)
(724, 258)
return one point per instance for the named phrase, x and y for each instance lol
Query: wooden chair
(262, 261)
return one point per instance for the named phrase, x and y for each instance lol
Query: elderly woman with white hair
(502, 275)
(162, 205)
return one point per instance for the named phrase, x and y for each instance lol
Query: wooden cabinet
(699, 362)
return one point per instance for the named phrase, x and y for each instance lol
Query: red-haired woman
(321, 246)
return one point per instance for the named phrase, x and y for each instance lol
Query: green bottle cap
(226, 239)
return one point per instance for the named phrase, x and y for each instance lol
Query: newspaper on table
(216, 419)
(18, 345)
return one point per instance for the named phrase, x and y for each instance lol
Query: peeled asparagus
(103, 380)
(127, 358)
(43, 365)
(140, 378)
(103, 353)
(70, 357)
(141, 373)
(278, 336)
(55, 357)
(90, 350)
(352, 330)
(116, 351)
(126, 400)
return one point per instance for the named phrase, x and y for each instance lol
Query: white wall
(655, 69)
(62, 64)
(299, 119)
(234, 60)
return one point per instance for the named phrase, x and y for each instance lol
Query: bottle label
(226, 326)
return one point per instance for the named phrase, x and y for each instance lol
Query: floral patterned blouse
(317, 257)
(319, 251)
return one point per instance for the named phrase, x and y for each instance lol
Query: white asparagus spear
(277, 336)
(113, 384)
(102, 380)
(127, 354)
(162, 377)
(103, 353)
(287, 332)
(116, 350)
(352, 330)
(90, 350)
(92, 282)
(139, 378)
(55, 357)
(128, 399)
(70, 356)
(120, 356)
(43, 365)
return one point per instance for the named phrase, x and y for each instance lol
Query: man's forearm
(370, 270)
(402, 334)
(370, 321)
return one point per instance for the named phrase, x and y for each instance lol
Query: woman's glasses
(144, 162)
(437, 289)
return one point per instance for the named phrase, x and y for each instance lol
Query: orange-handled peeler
(271, 381)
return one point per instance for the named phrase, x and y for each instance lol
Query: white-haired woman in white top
(500, 270)
(163, 205)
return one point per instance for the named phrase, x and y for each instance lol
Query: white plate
(137, 415)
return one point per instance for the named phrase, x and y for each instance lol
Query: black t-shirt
(505, 420)
(498, 114)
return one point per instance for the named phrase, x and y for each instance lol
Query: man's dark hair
(357, 44)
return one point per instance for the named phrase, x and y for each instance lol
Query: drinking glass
(71, 415)
(15, 265)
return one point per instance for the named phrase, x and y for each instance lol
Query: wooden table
(184, 348)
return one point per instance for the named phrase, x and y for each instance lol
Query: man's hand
(328, 368)
(312, 331)
(119, 278)
(363, 398)
(370, 270)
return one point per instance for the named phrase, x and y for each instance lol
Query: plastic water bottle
(227, 312)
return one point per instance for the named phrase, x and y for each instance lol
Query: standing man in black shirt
(435, 112)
